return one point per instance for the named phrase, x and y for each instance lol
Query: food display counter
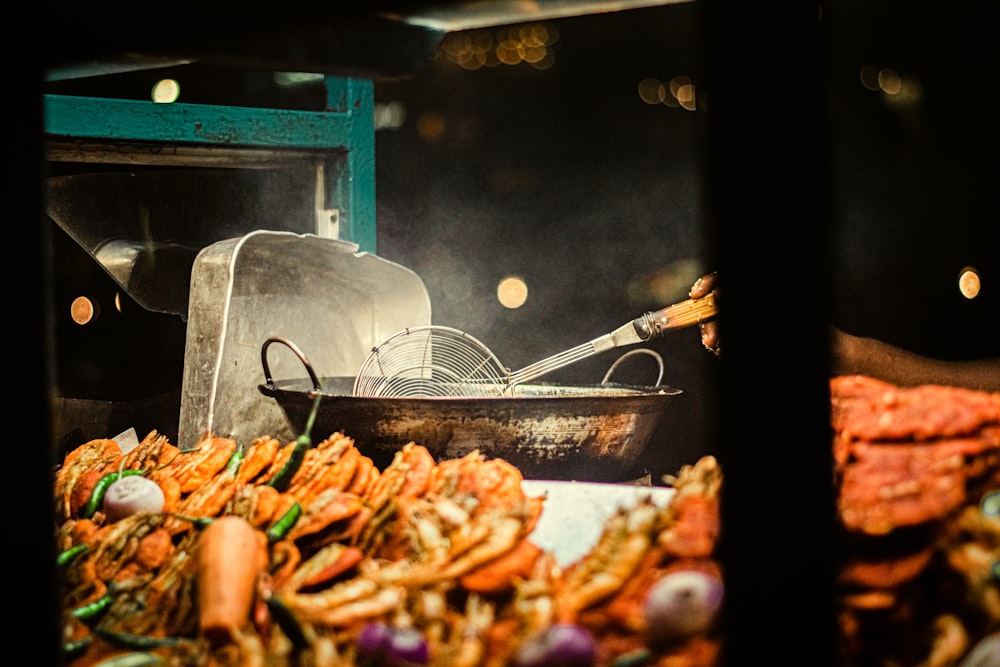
(217, 272)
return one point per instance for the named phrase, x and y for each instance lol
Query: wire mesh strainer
(439, 361)
(431, 361)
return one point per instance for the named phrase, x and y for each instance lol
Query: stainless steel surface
(145, 227)
(443, 361)
(319, 291)
(453, 16)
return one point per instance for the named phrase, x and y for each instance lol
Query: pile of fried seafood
(306, 555)
(424, 562)
(918, 502)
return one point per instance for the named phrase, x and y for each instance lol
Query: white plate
(575, 512)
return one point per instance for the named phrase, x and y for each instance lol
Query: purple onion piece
(559, 645)
(682, 604)
(381, 645)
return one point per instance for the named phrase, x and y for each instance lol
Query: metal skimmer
(438, 361)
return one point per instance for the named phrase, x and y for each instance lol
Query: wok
(549, 431)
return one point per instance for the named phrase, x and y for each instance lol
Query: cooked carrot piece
(231, 557)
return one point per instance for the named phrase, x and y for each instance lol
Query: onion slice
(130, 495)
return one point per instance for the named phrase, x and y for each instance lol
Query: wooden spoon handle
(684, 314)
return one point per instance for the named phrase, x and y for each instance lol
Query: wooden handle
(684, 314)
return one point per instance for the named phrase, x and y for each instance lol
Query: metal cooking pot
(558, 432)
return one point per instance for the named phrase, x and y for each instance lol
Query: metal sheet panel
(335, 302)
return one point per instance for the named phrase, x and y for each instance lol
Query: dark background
(913, 182)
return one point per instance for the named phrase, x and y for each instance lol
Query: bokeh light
(969, 283)
(390, 115)
(679, 92)
(431, 126)
(528, 44)
(512, 292)
(166, 91)
(652, 91)
(83, 310)
(898, 90)
(889, 81)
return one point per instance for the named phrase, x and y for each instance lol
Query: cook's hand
(709, 328)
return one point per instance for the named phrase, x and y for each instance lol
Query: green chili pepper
(139, 642)
(199, 522)
(74, 647)
(89, 612)
(284, 524)
(287, 622)
(303, 443)
(284, 477)
(97, 495)
(68, 555)
(132, 660)
(636, 658)
(233, 464)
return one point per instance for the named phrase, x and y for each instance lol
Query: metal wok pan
(558, 432)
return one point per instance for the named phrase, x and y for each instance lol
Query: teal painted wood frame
(343, 135)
